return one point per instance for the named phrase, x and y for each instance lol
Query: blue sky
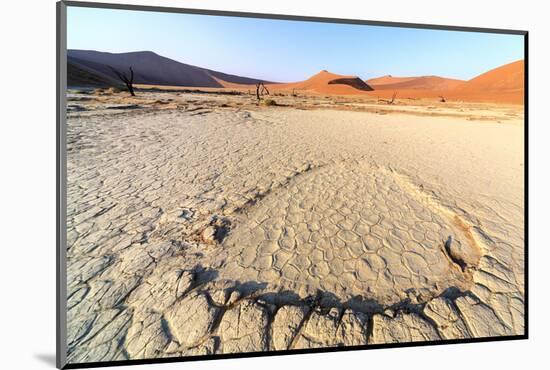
(279, 50)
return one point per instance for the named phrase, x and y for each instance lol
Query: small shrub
(269, 102)
(113, 90)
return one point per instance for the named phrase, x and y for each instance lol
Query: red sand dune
(388, 79)
(414, 83)
(504, 84)
(325, 82)
(408, 94)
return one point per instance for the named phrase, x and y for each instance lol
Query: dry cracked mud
(243, 230)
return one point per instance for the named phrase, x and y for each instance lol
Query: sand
(388, 79)
(503, 84)
(415, 83)
(326, 82)
(90, 68)
(201, 223)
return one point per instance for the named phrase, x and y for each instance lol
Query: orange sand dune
(408, 94)
(504, 84)
(325, 82)
(500, 85)
(388, 79)
(414, 83)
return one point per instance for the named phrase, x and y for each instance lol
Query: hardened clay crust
(205, 224)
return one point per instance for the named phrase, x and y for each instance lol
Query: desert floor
(201, 223)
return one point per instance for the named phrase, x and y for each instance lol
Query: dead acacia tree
(393, 97)
(442, 99)
(128, 81)
(260, 92)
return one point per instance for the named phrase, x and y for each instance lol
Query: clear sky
(284, 51)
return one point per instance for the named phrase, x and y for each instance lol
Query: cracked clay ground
(242, 230)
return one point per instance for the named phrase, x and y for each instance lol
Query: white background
(27, 180)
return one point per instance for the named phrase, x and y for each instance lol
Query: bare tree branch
(131, 75)
(129, 82)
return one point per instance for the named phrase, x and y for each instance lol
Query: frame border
(61, 185)
(291, 17)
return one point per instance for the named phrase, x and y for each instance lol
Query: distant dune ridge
(388, 79)
(152, 69)
(328, 83)
(414, 83)
(504, 84)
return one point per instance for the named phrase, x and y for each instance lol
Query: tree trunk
(131, 89)
(129, 82)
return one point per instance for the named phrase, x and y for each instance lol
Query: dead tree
(129, 82)
(393, 97)
(442, 99)
(260, 92)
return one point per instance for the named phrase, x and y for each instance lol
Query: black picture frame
(61, 177)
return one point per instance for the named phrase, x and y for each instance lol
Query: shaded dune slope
(153, 69)
(81, 76)
(325, 82)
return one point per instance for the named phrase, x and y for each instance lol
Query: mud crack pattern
(243, 231)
